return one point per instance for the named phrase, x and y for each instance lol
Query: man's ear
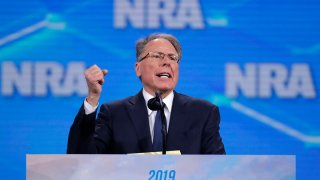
(137, 68)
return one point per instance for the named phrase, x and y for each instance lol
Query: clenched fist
(95, 79)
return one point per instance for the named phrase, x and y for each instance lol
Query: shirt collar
(167, 100)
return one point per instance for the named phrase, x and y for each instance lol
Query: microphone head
(154, 104)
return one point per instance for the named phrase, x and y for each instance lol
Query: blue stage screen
(257, 60)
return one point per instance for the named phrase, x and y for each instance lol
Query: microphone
(156, 104)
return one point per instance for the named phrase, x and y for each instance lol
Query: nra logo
(41, 78)
(264, 80)
(156, 13)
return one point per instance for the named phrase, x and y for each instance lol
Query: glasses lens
(160, 56)
(173, 57)
(157, 55)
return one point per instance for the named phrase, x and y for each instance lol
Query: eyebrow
(165, 53)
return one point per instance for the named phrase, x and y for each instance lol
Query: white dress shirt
(152, 114)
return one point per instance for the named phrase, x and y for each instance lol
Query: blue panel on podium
(156, 167)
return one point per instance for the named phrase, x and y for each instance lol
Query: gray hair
(141, 43)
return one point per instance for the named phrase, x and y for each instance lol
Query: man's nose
(167, 58)
(165, 61)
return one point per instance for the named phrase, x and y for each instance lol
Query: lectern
(161, 167)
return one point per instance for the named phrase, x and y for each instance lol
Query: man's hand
(95, 79)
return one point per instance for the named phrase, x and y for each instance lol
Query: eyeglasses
(158, 56)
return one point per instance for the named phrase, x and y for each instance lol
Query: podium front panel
(158, 167)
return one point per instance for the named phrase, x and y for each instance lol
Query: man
(129, 126)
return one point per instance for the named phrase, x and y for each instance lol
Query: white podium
(161, 167)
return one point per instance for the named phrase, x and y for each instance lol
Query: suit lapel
(139, 116)
(177, 122)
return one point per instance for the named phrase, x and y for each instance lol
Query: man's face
(158, 75)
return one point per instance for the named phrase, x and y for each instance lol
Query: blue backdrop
(257, 60)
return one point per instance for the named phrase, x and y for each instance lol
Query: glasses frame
(162, 55)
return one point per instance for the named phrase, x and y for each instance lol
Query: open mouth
(164, 75)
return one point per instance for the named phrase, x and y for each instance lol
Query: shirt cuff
(88, 108)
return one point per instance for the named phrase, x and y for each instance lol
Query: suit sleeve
(88, 135)
(81, 132)
(212, 141)
(102, 136)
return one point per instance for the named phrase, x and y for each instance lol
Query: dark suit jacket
(123, 127)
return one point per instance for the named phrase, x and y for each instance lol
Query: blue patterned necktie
(157, 135)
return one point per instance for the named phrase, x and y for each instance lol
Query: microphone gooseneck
(156, 104)
(158, 96)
